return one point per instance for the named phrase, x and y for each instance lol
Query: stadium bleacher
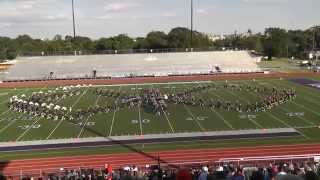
(126, 65)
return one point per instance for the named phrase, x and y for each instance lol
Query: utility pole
(314, 39)
(191, 41)
(73, 19)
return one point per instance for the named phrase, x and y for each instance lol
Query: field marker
(27, 130)
(304, 119)
(76, 102)
(86, 121)
(113, 118)
(250, 119)
(171, 127)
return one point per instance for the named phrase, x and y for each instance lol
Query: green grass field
(20, 127)
(15, 126)
(282, 64)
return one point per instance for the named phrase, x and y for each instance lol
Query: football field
(300, 113)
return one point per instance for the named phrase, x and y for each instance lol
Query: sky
(104, 18)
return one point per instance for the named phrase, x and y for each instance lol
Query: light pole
(191, 35)
(73, 19)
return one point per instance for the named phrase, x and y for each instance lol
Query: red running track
(166, 157)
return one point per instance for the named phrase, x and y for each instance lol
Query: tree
(157, 40)
(104, 44)
(179, 38)
(276, 42)
(122, 41)
(141, 43)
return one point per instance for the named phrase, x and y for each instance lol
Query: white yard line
(6, 100)
(11, 123)
(193, 117)
(171, 127)
(8, 125)
(21, 92)
(140, 120)
(222, 118)
(3, 113)
(286, 124)
(219, 115)
(305, 127)
(27, 130)
(305, 98)
(85, 123)
(113, 118)
(308, 109)
(304, 119)
(165, 114)
(287, 111)
(250, 119)
(278, 119)
(60, 122)
(295, 127)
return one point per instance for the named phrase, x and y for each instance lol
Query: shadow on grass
(127, 146)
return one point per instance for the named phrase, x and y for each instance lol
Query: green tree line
(177, 38)
(273, 42)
